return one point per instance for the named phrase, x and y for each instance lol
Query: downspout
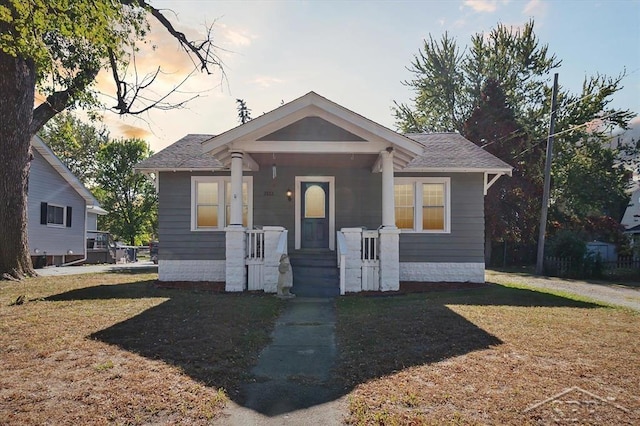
(84, 239)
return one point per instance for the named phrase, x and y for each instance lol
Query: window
(55, 215)
(211, 202)
(314, 202)
(403, 197)
(422, 204)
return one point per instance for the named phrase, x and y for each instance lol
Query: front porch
(358, 261)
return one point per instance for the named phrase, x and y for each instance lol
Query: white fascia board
(501, 171)
(180, 169)
(257, 123)
(97, 210)
(311, 104)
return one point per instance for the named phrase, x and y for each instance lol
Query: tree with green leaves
(58, 47)
(129, 197)
(451, 85)
(76, 144)
(511, 204)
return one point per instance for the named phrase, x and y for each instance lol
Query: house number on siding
(268, 193)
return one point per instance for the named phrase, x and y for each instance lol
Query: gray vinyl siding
(358, 197)
(177, 241)
(465, 242)
(358, 203)
(46, 185)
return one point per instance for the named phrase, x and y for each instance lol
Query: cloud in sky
(266, 81)
(482, 5)
(129, 131)
(233, 37)
(535, 7)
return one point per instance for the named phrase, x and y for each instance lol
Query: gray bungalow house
(312, 177)
(62, 213)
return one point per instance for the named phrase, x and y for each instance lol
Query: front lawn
(486, 356)
(113, 349)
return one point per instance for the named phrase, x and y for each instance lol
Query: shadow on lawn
(380, 336)
(216, 338)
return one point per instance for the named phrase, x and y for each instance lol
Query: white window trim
(417, 182)
(64, 216)
(222, 210)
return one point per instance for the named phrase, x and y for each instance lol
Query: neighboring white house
(312, 178)
(61, 211)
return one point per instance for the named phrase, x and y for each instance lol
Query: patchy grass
(113, 349)
(484, 356)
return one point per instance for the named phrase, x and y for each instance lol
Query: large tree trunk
(17, 86)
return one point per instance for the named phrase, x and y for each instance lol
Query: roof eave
(497, 170)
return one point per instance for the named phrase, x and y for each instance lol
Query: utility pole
(547, 180)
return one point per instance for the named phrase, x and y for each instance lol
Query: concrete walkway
(608, 293)
(52, 271)
(293, 374)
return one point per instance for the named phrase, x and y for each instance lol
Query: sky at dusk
(355, 53)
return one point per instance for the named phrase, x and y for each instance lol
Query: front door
(315, 214)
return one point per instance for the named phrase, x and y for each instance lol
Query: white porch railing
(262, 257)
(342, 260)
(255, 259)
(370, 261)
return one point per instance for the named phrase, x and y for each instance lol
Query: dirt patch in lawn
(489, 356)
(114, 348)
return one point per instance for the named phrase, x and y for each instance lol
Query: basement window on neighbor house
(211, 202)
(422, 204)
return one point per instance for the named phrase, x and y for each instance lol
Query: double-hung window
(211, 202)
(423, 204)
(55, 215)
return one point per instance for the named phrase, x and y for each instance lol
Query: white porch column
(235, 264)
(389, 234)
(388, 202)
(389, 259)
(236, 188)
(235, 235)
(353, 267)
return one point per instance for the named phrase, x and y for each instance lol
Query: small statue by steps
(285, 278)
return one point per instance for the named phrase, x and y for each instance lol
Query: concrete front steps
(315, 273)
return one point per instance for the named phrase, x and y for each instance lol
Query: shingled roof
(442, 151)
(452, 151)
(184, 154)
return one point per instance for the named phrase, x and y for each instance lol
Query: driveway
(610, 293)
(52, 271)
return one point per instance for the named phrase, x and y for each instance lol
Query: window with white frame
(423, 204)
(211, 202)
(55, 215)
